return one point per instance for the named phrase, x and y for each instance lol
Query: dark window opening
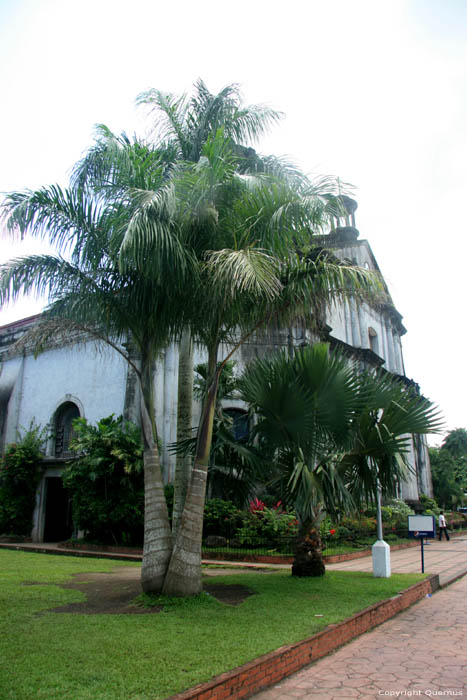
(240, 424)
(64, 428)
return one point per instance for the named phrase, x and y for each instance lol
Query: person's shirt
(442, 521)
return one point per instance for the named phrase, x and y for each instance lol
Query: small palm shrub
(21, 469)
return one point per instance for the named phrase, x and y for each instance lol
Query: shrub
(106, 481)
(221, 518)
(21, 469)
(357, 527)
(429, 504)
(394, 514)
(273, 525)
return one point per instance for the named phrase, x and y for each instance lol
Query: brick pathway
(420, 653)
(448, 559)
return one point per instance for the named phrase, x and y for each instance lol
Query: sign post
(422, 526)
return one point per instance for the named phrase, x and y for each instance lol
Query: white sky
(374, 92)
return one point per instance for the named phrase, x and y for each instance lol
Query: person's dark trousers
(445, 530)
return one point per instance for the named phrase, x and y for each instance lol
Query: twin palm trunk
(172, 560)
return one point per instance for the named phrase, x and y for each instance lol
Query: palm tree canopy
(391, 411)
(188, 122)
(92, 283)
(331, 429)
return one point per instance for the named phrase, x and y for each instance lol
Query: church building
(83, 379)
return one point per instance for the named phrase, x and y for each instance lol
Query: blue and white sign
(422, 526)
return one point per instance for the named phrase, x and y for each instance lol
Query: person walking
(443, 527)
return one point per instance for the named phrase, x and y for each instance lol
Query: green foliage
(234, 471)
(106, 481)
(400, 508)
(446, 488)
(21, 469)
(221, 518)
(394, 514)
(429, 504)
(330, 428)
(449, 469)
(271, 524)
(455, 442)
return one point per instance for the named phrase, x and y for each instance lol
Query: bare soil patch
(112, 593)
(230, 594)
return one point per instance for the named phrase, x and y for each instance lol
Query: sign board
(422, 526)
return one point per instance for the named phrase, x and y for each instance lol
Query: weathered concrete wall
(94, 380)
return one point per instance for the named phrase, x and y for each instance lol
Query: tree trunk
(157, 536)
(308, 560)
(184, 427)
(184, 573)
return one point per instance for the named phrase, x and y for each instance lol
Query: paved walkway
(448, 559)
(421, 652)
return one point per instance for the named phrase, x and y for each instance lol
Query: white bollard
(381, 554)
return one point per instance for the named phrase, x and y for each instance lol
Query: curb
(72, 552)
(270, 668)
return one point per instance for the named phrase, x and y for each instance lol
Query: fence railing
(284, 546)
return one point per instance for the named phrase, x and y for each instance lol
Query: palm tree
(118, 299)
(182, 126)
(230, 247)
(187, 123)
(333, 434)
(259, 276)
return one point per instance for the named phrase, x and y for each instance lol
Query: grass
(51, 656)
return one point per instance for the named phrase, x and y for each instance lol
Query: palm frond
(246, 271)
(61, 216)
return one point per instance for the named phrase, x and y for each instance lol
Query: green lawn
(52, 656)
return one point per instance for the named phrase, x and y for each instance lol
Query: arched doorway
(58, 524)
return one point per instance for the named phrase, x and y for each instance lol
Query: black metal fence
(244, 547)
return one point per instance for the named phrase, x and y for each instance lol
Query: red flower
(332, 532)
(256, 505)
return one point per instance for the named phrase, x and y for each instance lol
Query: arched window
(373, 340)
(64, 417)
(240, 423)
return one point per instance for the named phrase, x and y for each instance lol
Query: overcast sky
(374, 92)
